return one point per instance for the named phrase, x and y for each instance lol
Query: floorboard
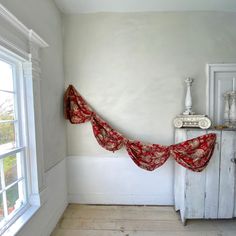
(92, 220)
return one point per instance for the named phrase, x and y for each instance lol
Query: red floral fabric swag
(148, 157)
(193, 154)
(75, 108)
(107, 137)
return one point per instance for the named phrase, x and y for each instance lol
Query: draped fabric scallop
(106, 136)
(75, 108)
(193, 154)
(148, 157)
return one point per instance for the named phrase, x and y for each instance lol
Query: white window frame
(21, 138)
(24, 44)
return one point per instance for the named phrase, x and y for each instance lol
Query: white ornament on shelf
(232, 111)
(230, 107)
(233, 83)
(188, 98)
(226, 110)
(188, 119)
(197, 121)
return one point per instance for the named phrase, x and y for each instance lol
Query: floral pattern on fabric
(195, 153)
(107, 137)
(75, 108)
(148, 157)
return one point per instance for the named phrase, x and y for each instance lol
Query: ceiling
(89, 6)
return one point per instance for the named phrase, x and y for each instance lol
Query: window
(13, 141)
(23, 188)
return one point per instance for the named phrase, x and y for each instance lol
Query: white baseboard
(118, 199)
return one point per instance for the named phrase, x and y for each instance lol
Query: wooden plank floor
(91, 220)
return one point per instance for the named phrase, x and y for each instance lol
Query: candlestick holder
(188, 118)
(226, 109)
(188, 98)
(232, 111)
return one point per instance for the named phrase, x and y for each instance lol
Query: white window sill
(21, 221)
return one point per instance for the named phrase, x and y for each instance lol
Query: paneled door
(221, 78)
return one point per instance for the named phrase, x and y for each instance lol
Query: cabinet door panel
(227, 175)
(212, 181)
(195, 187)
(179, 181)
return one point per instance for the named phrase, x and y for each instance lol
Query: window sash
(7, 91)
(8, 221)
(21, 143)
(12, 184)
(7, 121)
(7, 153)
(22, 190)
(21, 162)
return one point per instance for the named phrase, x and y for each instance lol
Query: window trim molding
(17, 24)
(27, 48)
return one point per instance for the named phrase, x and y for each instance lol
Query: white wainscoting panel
(45, 220)
(104, 180)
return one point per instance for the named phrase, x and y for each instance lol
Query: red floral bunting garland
(193, 154)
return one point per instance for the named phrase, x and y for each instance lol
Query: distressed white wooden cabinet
(210, 194)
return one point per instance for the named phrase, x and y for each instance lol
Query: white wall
(130, 67)
(45, 19)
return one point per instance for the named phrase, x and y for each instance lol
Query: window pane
(7, 136)
(1, 208)
(13, 201)
(6, 79)
(10, 169)
(6, 106)
(12, 135)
